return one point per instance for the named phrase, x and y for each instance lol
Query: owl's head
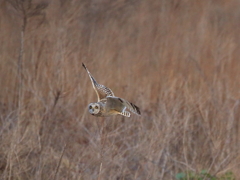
(94, 108)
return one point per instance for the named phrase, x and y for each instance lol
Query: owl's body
(108, 104)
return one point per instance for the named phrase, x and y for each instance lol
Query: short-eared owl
(108, 104)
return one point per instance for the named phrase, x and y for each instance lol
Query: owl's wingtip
(138, 110)
(84, 66)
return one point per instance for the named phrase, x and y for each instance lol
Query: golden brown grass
(177, 60)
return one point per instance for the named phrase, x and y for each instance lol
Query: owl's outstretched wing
(101, 90)
(121, 105)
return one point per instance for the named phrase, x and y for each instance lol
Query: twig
(100, 170)
(59, 162)
(102, 139)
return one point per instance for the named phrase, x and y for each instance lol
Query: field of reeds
(177, 60)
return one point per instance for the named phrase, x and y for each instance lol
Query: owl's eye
(96, 107)
(90, 107)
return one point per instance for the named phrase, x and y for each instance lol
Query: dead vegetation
(177, 60)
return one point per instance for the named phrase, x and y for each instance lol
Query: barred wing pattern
(101, 90)
(132, 107)
(125, 113)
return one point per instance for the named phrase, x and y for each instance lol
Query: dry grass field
(177, 60)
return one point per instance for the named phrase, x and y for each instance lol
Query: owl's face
(93, 108)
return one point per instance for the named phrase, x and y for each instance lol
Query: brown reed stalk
(102, 143)
(26, 10)
(59, 162)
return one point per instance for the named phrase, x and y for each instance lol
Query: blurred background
(177, 60)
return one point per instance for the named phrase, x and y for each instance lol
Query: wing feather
(101, 90)
(132, 107)
(124, 104)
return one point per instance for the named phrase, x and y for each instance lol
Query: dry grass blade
(59, 162)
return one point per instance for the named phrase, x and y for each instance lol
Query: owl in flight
(108, 104)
